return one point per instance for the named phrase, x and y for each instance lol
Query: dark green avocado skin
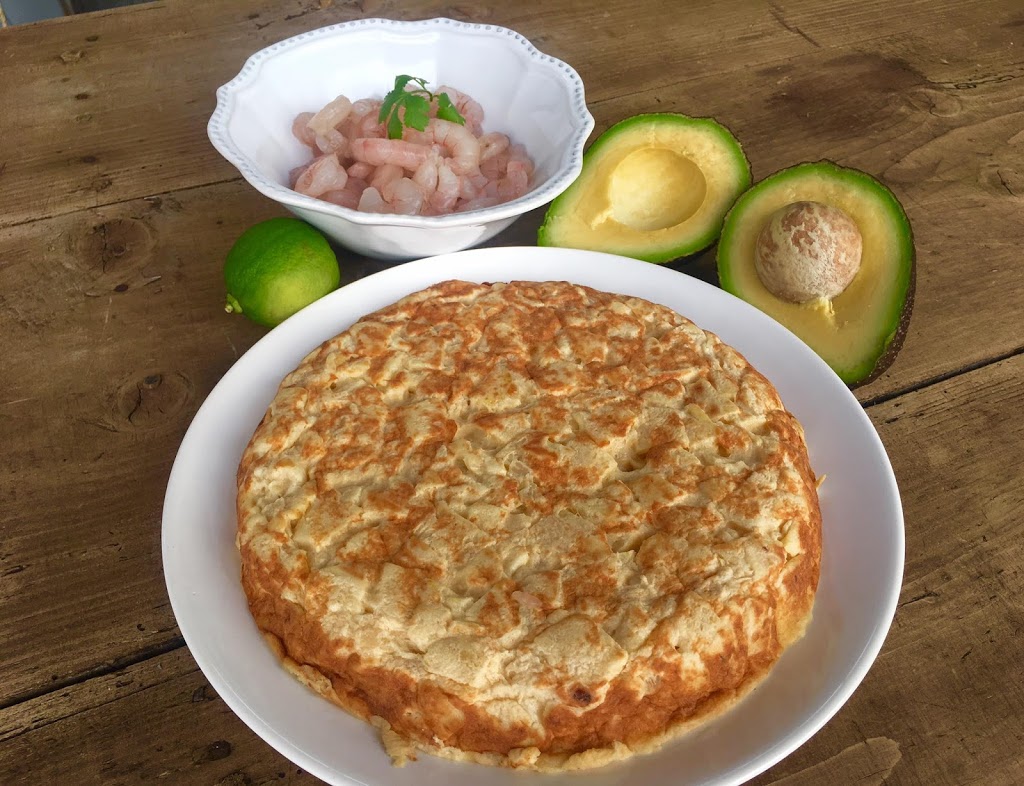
(895, 344)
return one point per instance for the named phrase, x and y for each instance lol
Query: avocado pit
(859, 332)
(655, 188)
(807, 251)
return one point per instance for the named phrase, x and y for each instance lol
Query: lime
(276, 268)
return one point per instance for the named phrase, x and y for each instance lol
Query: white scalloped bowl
(534, 98)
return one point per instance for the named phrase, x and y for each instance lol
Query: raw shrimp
(508, 174)
(349, 195)
(495, 166)
(361, 170)
(404, 196)
(302, 131)
(491, 144)
(293, 174)
(518, 153)
(446, 167)
(361, 112)
(515, 182)
(426, 174)
(371, 202)
(331, 116)
(463, 147)
(447, 192)
(324, 174)
(364, 105)
(361, 109)
(467, 189)
(319, 130)
(478, 181)
(384, 175)
(333, 142)
(388, 151)
(370, 127)
(356, 184)
(342, 198)
(478, 204)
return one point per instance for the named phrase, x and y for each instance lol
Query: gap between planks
(175, 643)
(884, 398)
(103, 205)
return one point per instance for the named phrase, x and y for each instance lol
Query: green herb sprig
(415, 107)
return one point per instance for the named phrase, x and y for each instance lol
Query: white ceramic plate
(862, 565)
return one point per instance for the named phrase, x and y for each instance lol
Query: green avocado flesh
(655, 187)
(858, 332)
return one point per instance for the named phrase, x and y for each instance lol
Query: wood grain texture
(156, 721)
(948, 686)
(96, 394)
(126, 139)
(928, 102)
(123, 138)
(116, 214)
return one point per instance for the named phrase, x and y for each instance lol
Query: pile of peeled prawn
(443, 169)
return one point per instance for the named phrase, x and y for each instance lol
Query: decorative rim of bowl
(555, 185)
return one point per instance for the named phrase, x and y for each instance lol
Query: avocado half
(655, 187)
(859, 331)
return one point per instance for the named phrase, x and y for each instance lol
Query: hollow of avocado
(828, 252)
(654, 187)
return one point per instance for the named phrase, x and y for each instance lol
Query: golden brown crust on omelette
(528, 524)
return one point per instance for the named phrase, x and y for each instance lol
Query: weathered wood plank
(905, 107)
(109, 416)
(158, 720)
(113, 335)
(118, 141)
(75, 127)
(942, 704)
(90, 421)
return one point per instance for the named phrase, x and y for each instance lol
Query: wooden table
(116, 214)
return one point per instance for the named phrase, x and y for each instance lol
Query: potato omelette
(528, 524)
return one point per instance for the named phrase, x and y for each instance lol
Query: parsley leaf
(394, 126)
(446, 110)
(410, 108)
(417, 112)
